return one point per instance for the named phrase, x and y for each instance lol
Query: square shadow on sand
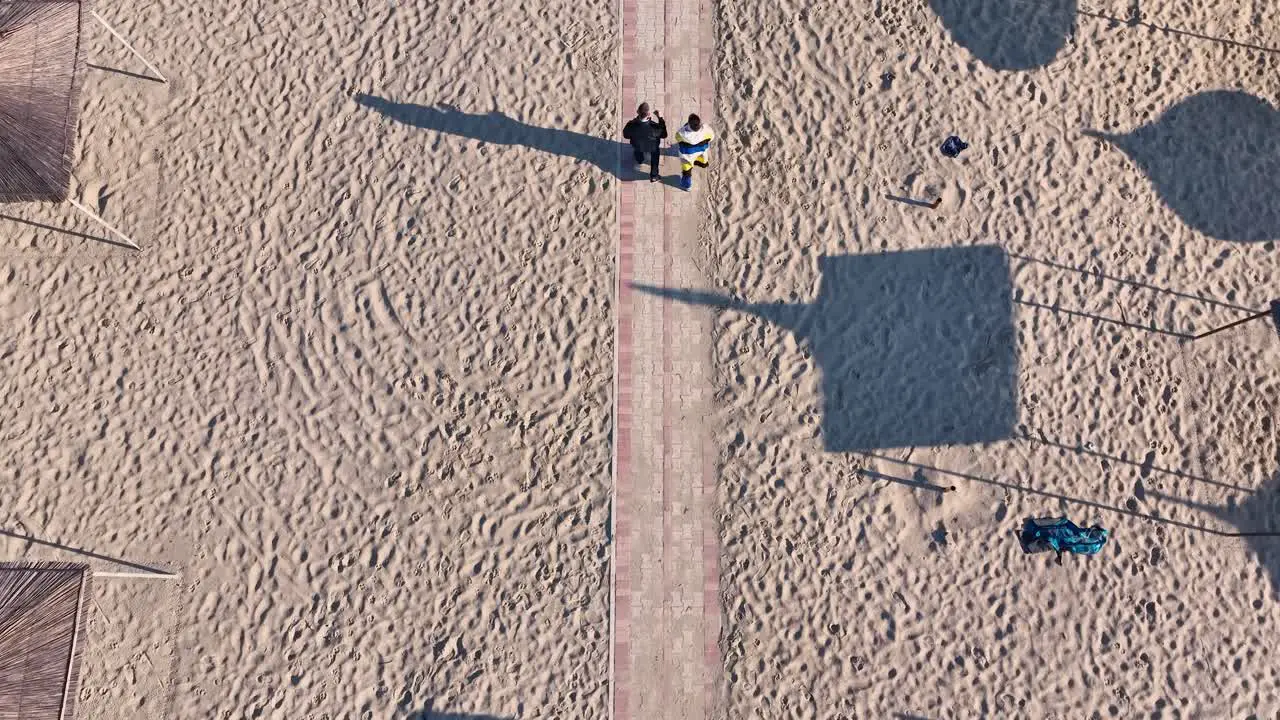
(915, 348)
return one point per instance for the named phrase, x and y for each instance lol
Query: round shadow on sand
(1009, 34)
(1214, 159)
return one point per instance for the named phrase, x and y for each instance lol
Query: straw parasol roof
(41, 66)
(41, 611)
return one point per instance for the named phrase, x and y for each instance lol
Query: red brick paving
(666, 613)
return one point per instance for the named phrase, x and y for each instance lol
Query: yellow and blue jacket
(693, 145)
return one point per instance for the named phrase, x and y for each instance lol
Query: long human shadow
(915, 348)
(611, 156)
(1009, 34)
(1214, 160)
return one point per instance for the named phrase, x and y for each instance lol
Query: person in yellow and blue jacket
(693, 140)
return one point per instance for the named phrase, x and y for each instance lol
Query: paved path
(666, 616)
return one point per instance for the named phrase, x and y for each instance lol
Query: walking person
(646, 131)
(694, 141)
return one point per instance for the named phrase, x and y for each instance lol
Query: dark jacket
(645, 135)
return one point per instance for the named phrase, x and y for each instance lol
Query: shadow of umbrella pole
(1273, 313)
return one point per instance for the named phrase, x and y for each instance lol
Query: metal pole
(120, 37)
(1228, 326)
(103, 223)
(75, 640)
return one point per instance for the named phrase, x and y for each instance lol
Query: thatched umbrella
(41, 67)
(42, 615)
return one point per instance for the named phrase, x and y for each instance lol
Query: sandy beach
(857, 589)
(357, 388)
(354, 389)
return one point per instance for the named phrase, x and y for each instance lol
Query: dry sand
(854, 596)
(356, 387)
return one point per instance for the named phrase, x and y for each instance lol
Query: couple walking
(646, 132)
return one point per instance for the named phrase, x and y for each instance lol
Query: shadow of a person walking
(611, 156)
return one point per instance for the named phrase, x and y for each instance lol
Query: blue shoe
(686, 182)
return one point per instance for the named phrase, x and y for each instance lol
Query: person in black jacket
(646, 134)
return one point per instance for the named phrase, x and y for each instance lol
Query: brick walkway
(666, 614)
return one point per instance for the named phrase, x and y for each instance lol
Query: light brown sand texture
(355, 389)
(854, 589)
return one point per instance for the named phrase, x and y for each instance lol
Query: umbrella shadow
(1135, 21)
(1257, 519)
(1009, 34)
(1213, 160)
(612, 156)
(915, 348)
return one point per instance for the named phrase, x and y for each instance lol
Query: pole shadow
(913, 202)
(1009, 34)
(1014, 487)
(1214, 161)
(1136, 22)
(86, 553)
(126, 73)
(1130, 282)
(428, 712)
(917, 481)
(64, 231)
(1145, 467)
(1103, 319)
(612, 156)
(1257, 519)
(915, 348)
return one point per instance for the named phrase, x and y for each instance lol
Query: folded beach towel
(1061, 535)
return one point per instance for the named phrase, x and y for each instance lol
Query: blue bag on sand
(952, 146)
(1061, 535)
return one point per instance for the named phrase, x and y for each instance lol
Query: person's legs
(639, 154)
(686, 174)
(701, 161)
(653, 166)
